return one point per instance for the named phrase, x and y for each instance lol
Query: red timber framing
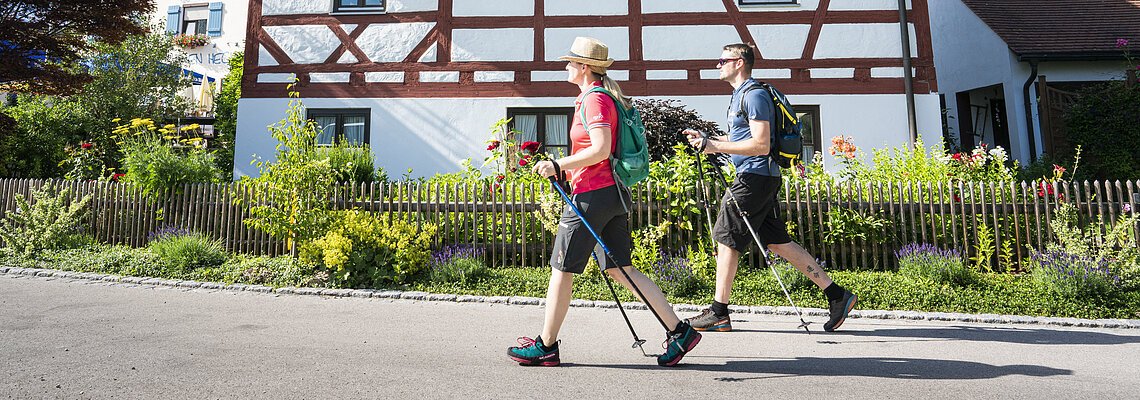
(439, 36)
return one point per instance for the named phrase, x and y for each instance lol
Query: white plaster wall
(804, 5)
(701, 41)
(863, 41)
(478, 8)
(1082, 71)
(579, 7)
(397, 6)
(967, 53)
(305, 44)
(392, 42)
(436, 135)
(672, 6)
(558, 41)
(780, 42)
(281, 7)
(509, 44)
(841, 5)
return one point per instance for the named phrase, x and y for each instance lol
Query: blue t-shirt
(757, 106)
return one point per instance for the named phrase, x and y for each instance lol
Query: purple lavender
(167, 231)
(449, 253)
(674, 273)
(929, 261)
(1074, 274)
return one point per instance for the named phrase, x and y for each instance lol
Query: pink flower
(1057, 169)
(1121, 43)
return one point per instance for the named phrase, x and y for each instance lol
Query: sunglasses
(726, 60)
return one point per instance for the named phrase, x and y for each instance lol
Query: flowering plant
(191, 41)
(83, 162)
(513, 160)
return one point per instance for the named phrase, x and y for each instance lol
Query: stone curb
(534, 301)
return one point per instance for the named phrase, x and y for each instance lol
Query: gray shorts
(604, 212)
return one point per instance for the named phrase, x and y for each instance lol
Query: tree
(42, 39)
(225, 127)
(137, 78)
(664, 120)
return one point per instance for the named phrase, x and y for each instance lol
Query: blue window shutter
(214, 25)
(174, 20)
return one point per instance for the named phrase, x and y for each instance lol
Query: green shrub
(363, 250)
(352, 164)
(460, 264)
(260, 270)
(1102, 122)
(188, 251)
(927, 262)
(51, 221)
(107, 259)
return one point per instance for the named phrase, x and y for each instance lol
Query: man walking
(750, 116)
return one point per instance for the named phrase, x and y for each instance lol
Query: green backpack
(630, 161)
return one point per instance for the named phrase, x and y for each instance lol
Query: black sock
(833, 292)
(719, 309)
(544, 347)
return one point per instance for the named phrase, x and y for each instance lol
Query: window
(197, 19)
(358, 5)
(765, 2)
(809, 116)
(549, 126)
(348, 125)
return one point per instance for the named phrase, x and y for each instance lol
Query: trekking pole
(744, 215)
(609, 255)
(703, 190)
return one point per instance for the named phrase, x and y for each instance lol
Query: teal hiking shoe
(677, 344)
(839, 310)
(531, 352)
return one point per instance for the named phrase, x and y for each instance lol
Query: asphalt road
(64, 338)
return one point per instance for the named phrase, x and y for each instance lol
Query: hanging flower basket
(191, 41)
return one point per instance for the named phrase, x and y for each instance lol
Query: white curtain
(557, 134)
(528, 125)
(354, 130)
(328, 130)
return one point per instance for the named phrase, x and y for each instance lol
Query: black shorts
(757, 195)
(604, 212)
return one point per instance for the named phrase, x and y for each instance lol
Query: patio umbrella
(206, 98)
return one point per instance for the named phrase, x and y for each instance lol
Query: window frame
(340, 113)
(541, 113)
(199, 25)
(812, 110)
(360, 8)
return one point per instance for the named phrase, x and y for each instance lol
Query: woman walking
(604, 204)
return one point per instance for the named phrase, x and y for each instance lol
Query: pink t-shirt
(600, 112)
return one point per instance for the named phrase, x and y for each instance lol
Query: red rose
(530, 146)
(116, 177)
(86, 145)
(500, 178)
(957, 156)
(494, 145)
(523, 162)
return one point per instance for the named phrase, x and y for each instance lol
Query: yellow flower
(116, 120)
(168, 126)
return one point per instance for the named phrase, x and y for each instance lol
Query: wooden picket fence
(507, 222)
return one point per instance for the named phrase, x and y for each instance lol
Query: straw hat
(589, 51)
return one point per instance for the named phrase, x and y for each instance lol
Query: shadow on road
(901, 368)
(974, 334)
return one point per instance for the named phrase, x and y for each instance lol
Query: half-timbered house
(420, 81)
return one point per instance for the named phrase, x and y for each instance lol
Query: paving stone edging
(534, 301)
